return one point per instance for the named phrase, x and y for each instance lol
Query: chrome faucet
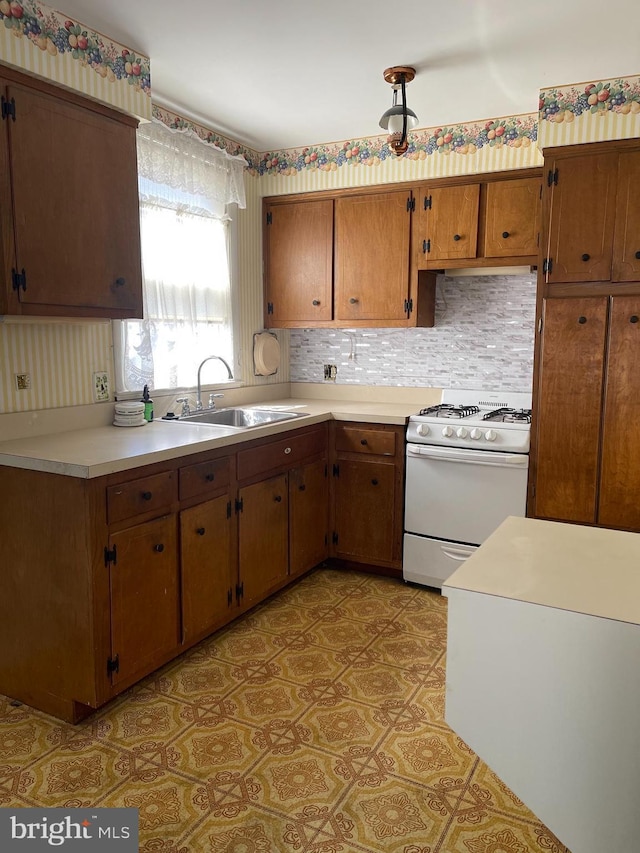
(199, 391)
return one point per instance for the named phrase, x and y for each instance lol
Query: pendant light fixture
(399, 120)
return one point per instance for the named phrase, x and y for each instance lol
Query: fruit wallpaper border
(592, 111)
(48, 43)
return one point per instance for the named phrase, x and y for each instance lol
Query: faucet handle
(185, 406)
(212, 400)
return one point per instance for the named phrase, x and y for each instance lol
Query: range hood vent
(475, 272)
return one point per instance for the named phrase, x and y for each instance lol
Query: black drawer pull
(316, 302)
(586, 257)
(302, 487)
(633, 318)
(278, 498)
(200, 531)
(159, 548)
(363, 441)
(146, 496)
(210, 478)
(582, 320)
(505, 234)
(374, 482)
(120, 281)
(353, 300)
(457, 237)
(638, 256)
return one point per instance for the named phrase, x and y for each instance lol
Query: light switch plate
(101, 387)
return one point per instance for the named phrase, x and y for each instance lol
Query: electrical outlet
(330, 372)
(100, 387)
(23, 381)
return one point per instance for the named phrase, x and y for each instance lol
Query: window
(186, 195)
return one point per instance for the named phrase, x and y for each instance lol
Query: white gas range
(467, 469)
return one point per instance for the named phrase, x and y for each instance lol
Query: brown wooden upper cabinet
(69, 221)
(594, 223)
(496, 221)
(298, 262)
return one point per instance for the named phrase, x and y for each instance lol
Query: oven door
(462, 495)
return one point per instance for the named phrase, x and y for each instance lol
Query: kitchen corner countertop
(588, 570)
(89, 453)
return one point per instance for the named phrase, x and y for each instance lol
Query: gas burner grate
(448, 410)
(509, 416)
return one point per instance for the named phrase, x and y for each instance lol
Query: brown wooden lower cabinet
(263, 536)
(308, 516)
(587, 453)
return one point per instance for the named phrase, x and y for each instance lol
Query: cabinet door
(298, 262)
(626, 246)
(207, 566)
(569, 407)
(447, 223)
(512, 218)
(620, 474)
(144, 597)
(308, 516)
(582, 218)
(365, 510)
(263, 534)
(75, 203)
(372, 256)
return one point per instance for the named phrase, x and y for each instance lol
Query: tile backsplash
(483, 338)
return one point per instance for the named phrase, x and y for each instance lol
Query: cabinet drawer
(140, 496)
(280, 454)
(361, 440)
(204, 478)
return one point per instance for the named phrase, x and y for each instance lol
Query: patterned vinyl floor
(314, 724)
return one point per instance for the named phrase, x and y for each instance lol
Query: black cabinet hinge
(427, 202)
(113, 665)
(336, 469)
(8, 108)
(269, 307)
(411, 204)
(408, 307)
(18, 279)
(426, 247)
(239, 504)
(334, 538)
(110, 556)
(547, 265)
(239, 591)
(270, 218)
(229, 596)
(552, 177)
(228, 509)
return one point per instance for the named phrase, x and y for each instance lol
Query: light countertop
(104, 450)
(589, 570)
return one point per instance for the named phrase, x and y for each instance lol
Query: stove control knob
(476, 433)
(447, 431)
(491, 435)
(423, 429)
(462, 432)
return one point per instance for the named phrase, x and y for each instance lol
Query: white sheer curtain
(185, 186)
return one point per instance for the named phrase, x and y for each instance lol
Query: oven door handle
(478, 457)
(457, 553)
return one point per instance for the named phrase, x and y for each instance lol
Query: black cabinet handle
(582, 320)
(374, 482)
(146, 496)
(633, 318)
(457, 237)
(353, 300)
(586, 257)
(200, 531)
(302, 487)
(159, 548)
(638, 256)
(363, 441)
(278, 498)
(316, 302)
(120, 281)
(210, 478)
(505, 234)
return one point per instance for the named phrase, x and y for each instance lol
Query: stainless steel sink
(238, 418)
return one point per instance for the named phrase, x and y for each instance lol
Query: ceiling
(284, 74)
